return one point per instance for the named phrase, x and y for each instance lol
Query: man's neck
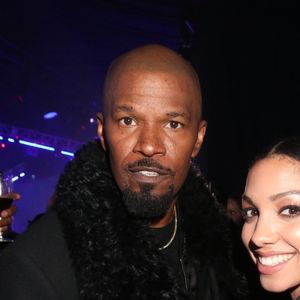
(166, 219)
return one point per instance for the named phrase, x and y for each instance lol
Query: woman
(271, 209)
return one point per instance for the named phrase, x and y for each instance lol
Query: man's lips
(149, 171)
(151, 175)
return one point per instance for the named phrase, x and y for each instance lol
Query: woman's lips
(268, 264)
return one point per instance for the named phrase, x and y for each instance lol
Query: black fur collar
(114, 255)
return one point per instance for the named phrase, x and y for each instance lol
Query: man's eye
(174, 125)
(291, 211)
(127, 121)
(249, 213)
(233, 212)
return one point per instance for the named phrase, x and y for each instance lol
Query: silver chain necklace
(173, 234)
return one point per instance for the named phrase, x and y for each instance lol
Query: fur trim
(208, 236)
(115, 255)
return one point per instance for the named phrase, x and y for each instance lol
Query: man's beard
(145, 205)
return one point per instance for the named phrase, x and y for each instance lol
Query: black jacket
(37, 265)
(107, 254)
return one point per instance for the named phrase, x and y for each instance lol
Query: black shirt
(172, 253)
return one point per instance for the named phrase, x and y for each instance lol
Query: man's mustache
(151, 163)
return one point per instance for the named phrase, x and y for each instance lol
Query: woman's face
(271, 232)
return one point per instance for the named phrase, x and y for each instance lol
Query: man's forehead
(154, 67)
(152, 82)
(171, 110)
(161, 85)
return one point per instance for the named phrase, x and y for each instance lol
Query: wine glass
(6, 188)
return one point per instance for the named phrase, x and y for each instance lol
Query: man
(133, 218)
(234, 211)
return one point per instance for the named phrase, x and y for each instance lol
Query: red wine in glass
(6, 188)
(5, 203)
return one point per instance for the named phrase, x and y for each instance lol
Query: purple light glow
(50, 115)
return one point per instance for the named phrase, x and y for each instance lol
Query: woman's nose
(265, 232)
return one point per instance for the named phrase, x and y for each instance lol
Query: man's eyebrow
(125, 108)
(175, 114)
(283, 194)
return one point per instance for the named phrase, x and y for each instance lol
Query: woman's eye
(249, 213)
(291, 211)
(174, 125)
(127, 121)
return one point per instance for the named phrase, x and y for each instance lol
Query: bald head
(153, 59)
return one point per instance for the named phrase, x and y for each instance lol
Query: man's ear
(200, 138)
(101, 130)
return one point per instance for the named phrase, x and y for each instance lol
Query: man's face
(234, 211)
(151, 129)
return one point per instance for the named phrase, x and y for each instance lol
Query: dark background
(53, 57)
(249, 68)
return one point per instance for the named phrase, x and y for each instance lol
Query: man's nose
(265, 232)
(150, 141)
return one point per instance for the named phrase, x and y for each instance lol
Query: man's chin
(145, 205)
(147, 215)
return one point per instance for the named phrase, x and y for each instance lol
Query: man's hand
(6, 215)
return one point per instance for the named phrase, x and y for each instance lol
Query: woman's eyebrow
(283, 194)
(247, 199)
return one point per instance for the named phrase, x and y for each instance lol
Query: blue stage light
(67, 153)
(15, 178)
(11, 140)
(35, 145)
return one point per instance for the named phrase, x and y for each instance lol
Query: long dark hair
(289, 147)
